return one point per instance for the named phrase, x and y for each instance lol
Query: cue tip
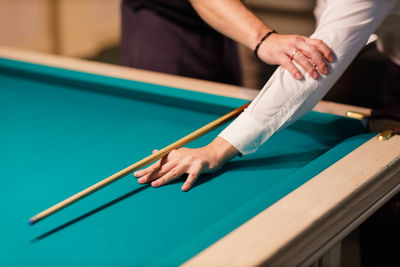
(31, 222)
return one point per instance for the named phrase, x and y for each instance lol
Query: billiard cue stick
(140, 164)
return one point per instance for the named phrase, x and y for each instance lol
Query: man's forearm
(233, 19)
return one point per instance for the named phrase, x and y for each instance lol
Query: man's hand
(187, 161)
(233, 19)
(310, 54)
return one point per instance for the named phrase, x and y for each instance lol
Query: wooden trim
(158, 78)
(129, 73)
(289, 231)
(350, 228)
(340, 109)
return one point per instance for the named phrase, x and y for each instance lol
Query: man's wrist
(222, 150)
(262, 39)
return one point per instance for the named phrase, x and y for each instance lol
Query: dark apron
(162, 38)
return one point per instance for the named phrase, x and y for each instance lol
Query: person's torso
(179, 11)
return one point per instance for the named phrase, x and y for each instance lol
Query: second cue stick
(140, 164)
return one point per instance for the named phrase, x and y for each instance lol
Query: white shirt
(345, 26)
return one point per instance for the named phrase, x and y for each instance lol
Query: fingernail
(314, 75)
(298, 76)
(141, 180)
(330, 58)
(154, 183)
(325, 70)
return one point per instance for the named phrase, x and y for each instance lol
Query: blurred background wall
(77, 28)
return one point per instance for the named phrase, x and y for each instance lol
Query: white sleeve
(345, 26)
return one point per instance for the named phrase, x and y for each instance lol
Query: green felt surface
(62, 131)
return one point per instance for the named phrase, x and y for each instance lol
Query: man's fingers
(288, 64)
(161, 171)
(322, 47)
(314, 55)
(155, 166)
(171, 175)
(152, 168)
(192, 178)
(305, 63)
(171, 167)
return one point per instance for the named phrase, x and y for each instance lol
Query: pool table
(67, 124)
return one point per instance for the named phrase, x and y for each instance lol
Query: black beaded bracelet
(262, 40)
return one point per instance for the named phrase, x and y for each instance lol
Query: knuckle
(314, 51)
(196, 164)
(189, 158)
(174, 173)
(317, 41)
(286, 62)
(323, 46)
(298, 38)
(201, 162)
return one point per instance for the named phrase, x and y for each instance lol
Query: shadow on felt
(270, 162)
(92, 212)
(292, 160)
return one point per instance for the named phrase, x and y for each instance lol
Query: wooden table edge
(295, 227)
(128, 73)
(157, 78)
